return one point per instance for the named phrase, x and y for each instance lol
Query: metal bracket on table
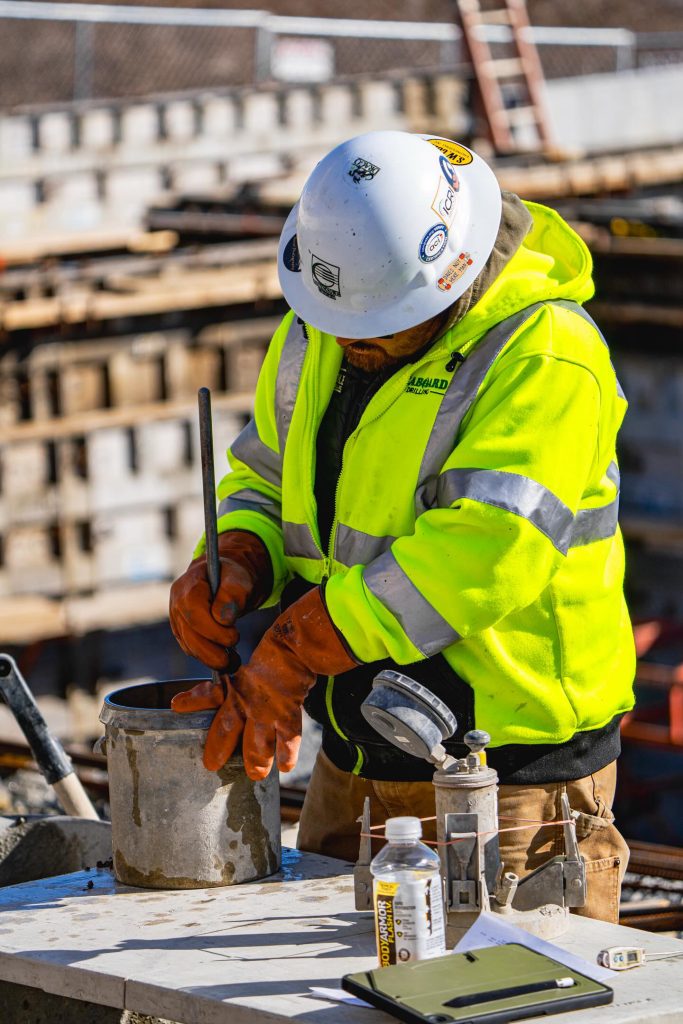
(561, 880)
(362, 878)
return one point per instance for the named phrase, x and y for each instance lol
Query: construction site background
(46, 62)
(145, 173)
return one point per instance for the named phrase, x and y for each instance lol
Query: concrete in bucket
(176, 825)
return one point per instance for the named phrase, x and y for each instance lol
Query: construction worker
(429, 482)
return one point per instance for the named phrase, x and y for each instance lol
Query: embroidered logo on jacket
(427, 385)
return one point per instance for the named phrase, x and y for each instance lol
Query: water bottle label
(409, 920)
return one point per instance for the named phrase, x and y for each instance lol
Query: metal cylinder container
(176, 825)
(472, 792)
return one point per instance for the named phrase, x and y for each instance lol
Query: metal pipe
(213, 565)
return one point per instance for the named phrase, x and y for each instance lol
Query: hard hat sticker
(433, 243)
(443, 203)
(449, 173)
(362, 170)
(453, 271)
(326, 277)
(456, 153)
(290, 256)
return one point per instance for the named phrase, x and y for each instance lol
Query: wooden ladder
(511, 83)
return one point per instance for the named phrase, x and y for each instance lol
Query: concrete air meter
(410, 716)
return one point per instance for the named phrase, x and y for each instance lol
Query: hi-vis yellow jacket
(476, 510)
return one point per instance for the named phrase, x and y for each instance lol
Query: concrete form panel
(628, 109)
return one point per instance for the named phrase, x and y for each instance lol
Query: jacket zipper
(398, 380)
(313, 518)
(350, 441)
(399, 384)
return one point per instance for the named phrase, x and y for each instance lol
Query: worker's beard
(369, 357)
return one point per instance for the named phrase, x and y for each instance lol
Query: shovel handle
(48, 752)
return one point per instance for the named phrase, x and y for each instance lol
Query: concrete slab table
(251, 952)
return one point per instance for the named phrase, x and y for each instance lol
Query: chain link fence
(107, 54)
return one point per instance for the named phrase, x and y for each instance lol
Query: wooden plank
(662, 532)
(117, 608)
(597, 174)
(84, 423)
(636, 313)
(198, 290)
(25, 618)
(28, 250)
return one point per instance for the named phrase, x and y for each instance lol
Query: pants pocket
(603, 885)
(593, 824)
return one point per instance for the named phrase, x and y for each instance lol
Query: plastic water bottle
(407, 896)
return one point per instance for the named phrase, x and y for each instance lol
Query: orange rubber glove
(265, 697)
(205, 627)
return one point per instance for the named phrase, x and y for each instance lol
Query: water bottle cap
(403, 828)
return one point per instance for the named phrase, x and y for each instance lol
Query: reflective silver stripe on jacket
(574, 307)
(248, 500)
(527, 498)
(288, 376)
(353, 547)
(514, 493)
(593, 524)
(461, 392)
(421, 623)
(250, 449)
(299, 541)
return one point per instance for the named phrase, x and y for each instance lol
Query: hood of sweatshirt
(537, 257)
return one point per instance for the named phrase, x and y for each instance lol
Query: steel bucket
(176, 825)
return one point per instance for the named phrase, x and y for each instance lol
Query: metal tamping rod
(213, 565)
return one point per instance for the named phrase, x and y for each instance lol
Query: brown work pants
(334, 802)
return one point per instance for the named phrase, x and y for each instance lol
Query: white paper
(492, 930)
(338, 995)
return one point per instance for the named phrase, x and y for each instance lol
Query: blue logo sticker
(290, 256)
(448, 172)
(433, 243)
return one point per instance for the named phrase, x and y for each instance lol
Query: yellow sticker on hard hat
(456, 153)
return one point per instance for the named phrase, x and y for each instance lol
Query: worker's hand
(204, 627)
(265, 697)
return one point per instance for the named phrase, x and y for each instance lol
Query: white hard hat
(390, 229)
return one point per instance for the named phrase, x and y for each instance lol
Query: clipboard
(483, 986)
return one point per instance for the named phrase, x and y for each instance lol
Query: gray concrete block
(180, 122)
(97, 128)
(260, 113)
(219, 117)
(15, 139)
(55, 132)
(20, 1004)
(140, 125)
(42, 846)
